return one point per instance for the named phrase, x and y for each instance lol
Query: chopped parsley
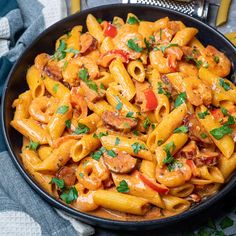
(205, 65)
(135, 132)
(130, 115)
(175, 164)
(97, 155)
(33, 145)
(203, 135)
(181, 129)
(70, 195)
(224, 111)
(147, 44)
(163, 48)
(81, 129)
(76, 52)
(219, 133)
(198, 63)
(161, 90)
(111, 153)
(55, 88)
(119, 104)
(225, 85)
(68, 123)
(132, 20)
(216, 59)
(202, 115)
(153, 126)
(160, 142)
(123, 187)
(134, 46)
(62, 109)
(101, 134)
(169, 159)
(137, 147)
(102, 86)
(99, 20)
(59, 182)
(181, 98)
(83, 75)
(60, 52)
(146, 123)
(117, 141)
(81, 175)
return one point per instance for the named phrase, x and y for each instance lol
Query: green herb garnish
(117, 141)
(146, 123)
(62, 109)
(59, 182)
(225, 85)
(181, 129)
(33, 145)
(202, 115)
(181, 98)
(134, 46)
(68, 123)
(137, 147)
(123, 187)
(69, 196)
(132, 20)
(55, 88)
(81, 129)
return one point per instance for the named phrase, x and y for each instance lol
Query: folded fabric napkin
(22, 211)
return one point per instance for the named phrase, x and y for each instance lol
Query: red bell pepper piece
(151, 100)
(109, 29)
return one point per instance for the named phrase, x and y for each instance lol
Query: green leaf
(97, 155)
(60, 53)
(198, 63)
(111, 153)
(181, 98)
(173, 165)
(137, 147)
(55, 88)
(132, 20)
(160, 142)
(161, 90)
(99, 20)
(135, 132)
(230, 121)
(59, 182)
(83, 74)
(147, 44)
(205, 65)
(117, 141)
(33, 145)
(62, 109)
(204, 232)
(76, 52)
(69, 196)
(146, 123)
(134, 46)
(168, 160)
(68, 123)
(163, 48)
(224, 111)
(119, 104)
(81, 175)
(181, 129)
(123, 187)
(65, 65)
(82, 129)
(101, 134)
(224, 84)
(226, 222)
(219, 133)
(169, 146)
(102, 86)
(216, 59)
(202, 115)
(203, 135)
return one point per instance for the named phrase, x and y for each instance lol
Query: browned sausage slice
(122, 163)
(118, 122)
(88, 43)
(67, 174)
(53, 71)
(41, 61)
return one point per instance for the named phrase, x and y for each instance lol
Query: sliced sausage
(67, 174)
(53, 71)
(122, 163)
(118, 122)
(196, 129)
(88, 43)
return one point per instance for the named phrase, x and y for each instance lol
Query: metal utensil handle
(197, 8)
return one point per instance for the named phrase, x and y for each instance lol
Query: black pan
(16, 84)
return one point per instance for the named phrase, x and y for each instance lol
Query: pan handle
(195, 8)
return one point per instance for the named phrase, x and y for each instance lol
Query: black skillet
(16, 84)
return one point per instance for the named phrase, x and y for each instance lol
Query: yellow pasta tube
(183, 190)
(146, 29)
(44, 152)
(197, 44)
(138, 188)
(63, 113)
(30, 159)
(161, 23)
(178, 139)
(99, 107)
(94, 28)
(166, 127)
(32, 130)
(227, 165)
(121, 76)
(59, 157)
(184, 36)
(134, 147)
(219, 93)
(107, 45)
(83, 147)
(148, 169)
(211, 173)
(22, 104)
(226, 143)
(105, 79)
(114, 98)
(50, 86)
(176, 80)
(121, 202)
(90, 121)
(136, 70)
(35, 82)
(176, 204)
(223, 11)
